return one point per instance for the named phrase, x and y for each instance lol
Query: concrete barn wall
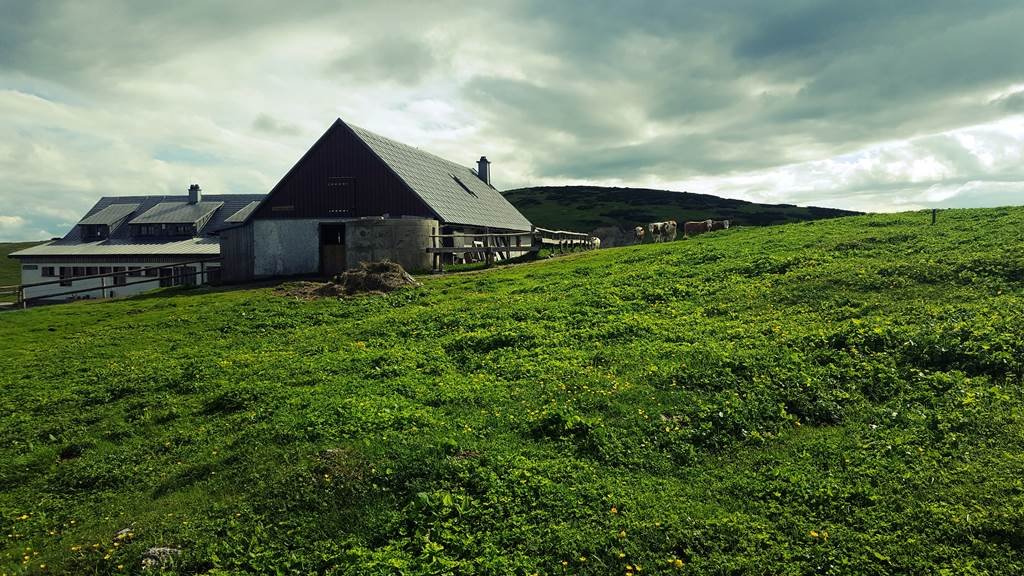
(286, 247)
(402, 240)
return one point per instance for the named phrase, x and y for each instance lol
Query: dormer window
(95, 232)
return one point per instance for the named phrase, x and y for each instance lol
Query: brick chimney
(195, 194)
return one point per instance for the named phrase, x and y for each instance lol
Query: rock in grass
(159, 557)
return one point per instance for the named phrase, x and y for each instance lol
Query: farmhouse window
(104, 269)
(48, 272)
(91, 271)
(166, 277)
(134, 271)
(66, 272)
(185, 276)
(119, 279)
(152, 273)
(30, 267)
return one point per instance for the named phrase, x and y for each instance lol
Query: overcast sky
(870, 104)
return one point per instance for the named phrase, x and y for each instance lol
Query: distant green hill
(10, 270)
(584, 208)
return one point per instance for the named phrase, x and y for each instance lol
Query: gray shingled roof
(242, 214)
(434, 179)
(176, 213)
(110, 215)
(121, 241)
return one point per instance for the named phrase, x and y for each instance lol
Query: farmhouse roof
(177, 213)
(451, 190)
(242, 214)
(110, 215)
(189, 247)
(121, 242)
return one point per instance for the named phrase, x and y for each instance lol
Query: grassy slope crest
(831, 397)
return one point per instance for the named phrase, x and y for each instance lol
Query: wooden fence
(489, 247)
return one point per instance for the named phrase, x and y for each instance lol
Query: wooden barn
(358, 196)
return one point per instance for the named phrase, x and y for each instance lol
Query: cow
(694, 228)
(662, 231)
(719, 224)
(638, 234)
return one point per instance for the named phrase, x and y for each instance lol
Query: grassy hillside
(583, 208)
(830, 397)
(10, 270)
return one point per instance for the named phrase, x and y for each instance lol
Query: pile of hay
(369, 278)
(374, 277)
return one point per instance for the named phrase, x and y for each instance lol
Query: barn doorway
(332, 249)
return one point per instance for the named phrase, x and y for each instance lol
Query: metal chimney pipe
(483, 169)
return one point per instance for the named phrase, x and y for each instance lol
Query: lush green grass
(10, 269)
(583, 208)
(832, 397)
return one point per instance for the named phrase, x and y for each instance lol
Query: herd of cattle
(667, 231)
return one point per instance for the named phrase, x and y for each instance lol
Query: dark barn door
(332, 249)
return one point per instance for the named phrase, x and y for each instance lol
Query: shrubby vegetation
(584, 208)
(832, 397)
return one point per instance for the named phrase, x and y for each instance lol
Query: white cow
(662, 231)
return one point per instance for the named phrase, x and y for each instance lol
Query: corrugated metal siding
(305, 192)
(236, 248)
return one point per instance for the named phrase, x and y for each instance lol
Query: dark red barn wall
(340, 177)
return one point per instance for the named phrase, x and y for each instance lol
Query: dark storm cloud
(102, 41)
(745, 85)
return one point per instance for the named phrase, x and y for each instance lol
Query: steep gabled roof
(452, 191)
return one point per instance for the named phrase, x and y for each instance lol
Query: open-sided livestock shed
(358, 196)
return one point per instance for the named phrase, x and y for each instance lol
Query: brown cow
(638, 234)
(694, 228)
(719, 224)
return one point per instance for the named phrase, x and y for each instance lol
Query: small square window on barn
(48, 272)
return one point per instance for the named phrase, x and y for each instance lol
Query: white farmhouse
(145, 241)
